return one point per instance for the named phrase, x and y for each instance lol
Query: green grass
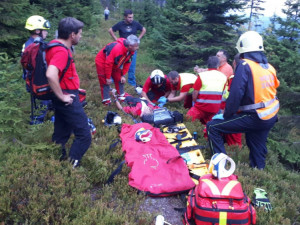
(35, 188)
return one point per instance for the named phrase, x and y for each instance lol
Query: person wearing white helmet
(156, 85)
(252, 105)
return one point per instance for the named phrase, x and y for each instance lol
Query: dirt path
(165, 207)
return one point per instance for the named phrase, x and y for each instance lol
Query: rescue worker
(207, 94)
(252, 105)
(38, 26)
(224, 65)
(183, 83)
(156, 85)
(113, 61)
(69, 113)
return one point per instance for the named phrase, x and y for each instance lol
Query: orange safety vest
(265, 83)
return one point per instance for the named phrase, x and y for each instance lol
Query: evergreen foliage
(14, 13)
(190, 31)
(36, 188)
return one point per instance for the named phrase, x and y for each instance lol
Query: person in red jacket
(156, 85)
(208, 90)
(113, 61)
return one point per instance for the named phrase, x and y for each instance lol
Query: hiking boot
(75, 163)
(106, 101)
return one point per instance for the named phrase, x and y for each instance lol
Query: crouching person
(113, 62)
(69, 113)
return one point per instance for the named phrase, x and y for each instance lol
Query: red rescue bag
(219, 201)
(156, 166)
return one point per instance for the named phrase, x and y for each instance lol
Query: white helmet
(217, 165)
(250, 41)
(157, 77)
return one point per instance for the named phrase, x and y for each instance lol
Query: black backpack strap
(51, 45)
(115, 172)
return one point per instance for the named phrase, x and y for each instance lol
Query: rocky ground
(165, 206)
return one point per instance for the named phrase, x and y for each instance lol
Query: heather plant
(35, 188)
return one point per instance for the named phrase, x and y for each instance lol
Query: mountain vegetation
(35, 188)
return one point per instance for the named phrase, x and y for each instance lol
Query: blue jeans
(131, 71)
(72, 119)
(255, 129)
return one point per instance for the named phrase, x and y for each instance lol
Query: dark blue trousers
(255, 129)
(71, 119)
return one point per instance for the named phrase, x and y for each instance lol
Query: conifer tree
(12, 22)
(190, 31)
(282, 44)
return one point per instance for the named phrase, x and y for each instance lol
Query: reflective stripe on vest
(265, 83)
(212, 87)
(215, 190)
(187, 78)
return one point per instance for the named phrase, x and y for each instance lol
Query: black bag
(163, 116)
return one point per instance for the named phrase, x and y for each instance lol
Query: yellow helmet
(37, 23)
(250, 41)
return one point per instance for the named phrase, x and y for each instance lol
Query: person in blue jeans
(127, 27)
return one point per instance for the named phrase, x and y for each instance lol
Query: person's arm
(111, 32)
(53, 79)
(195, 95)
(167, 94)
(144, 94)
(142, 33)
(172, 94)
(178, 98)
(197, 86)
(237, 89)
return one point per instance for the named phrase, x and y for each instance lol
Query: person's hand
(123, 80)
(261, 199)
(68, 99)
(218, 117)
(162, 99)
(108, 81)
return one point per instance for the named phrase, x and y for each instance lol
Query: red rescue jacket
(113, 57)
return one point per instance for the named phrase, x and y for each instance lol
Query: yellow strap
(214, 189)
(223, 218)
(227, 189)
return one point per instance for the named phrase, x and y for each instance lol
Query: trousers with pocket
(71, 119)
(256, 133)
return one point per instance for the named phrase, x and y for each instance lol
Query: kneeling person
(183, 83)
(156, 86)
(208, 91)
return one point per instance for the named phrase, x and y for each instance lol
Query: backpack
(219, 201)
(34, 62)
